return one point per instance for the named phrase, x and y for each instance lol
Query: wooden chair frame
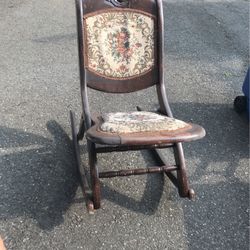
(176, 173)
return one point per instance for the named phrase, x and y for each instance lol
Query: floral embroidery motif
(119, 44)
(132, 122)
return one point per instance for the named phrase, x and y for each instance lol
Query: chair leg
(183, 187)
(81, 132)
(82, 177)
(95, 182)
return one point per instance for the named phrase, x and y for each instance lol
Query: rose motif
(119, 44)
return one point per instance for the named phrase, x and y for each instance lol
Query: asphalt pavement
(41, 204)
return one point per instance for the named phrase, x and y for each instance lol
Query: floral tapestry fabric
(133, 122)
(119, 44)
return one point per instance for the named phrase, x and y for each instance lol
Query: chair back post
(161, 91)
(84, 97)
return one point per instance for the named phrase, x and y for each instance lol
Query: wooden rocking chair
(120, 51)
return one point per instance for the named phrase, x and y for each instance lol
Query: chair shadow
(40, 178)
(149, 201)
(152, 193)
(226, 137)
(220, 210)
(38, 175)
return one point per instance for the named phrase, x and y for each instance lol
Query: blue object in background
(241, 103)
(245, 89)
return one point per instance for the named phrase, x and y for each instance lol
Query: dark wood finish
(180, 181)
(193, 132)
(81, 132)
(137, 171)
(181, 172)
(99, 142)
(84, 97)
(161, 91)
(98, 5)
(121, 86)
(107, 149)
(94, 175)
(83, 180)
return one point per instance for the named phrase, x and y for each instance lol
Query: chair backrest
(119, 44)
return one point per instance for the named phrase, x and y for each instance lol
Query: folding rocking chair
(120, 46)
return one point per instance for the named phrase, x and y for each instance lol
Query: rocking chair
(120, 46)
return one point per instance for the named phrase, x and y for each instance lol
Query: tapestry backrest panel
(119, 43)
